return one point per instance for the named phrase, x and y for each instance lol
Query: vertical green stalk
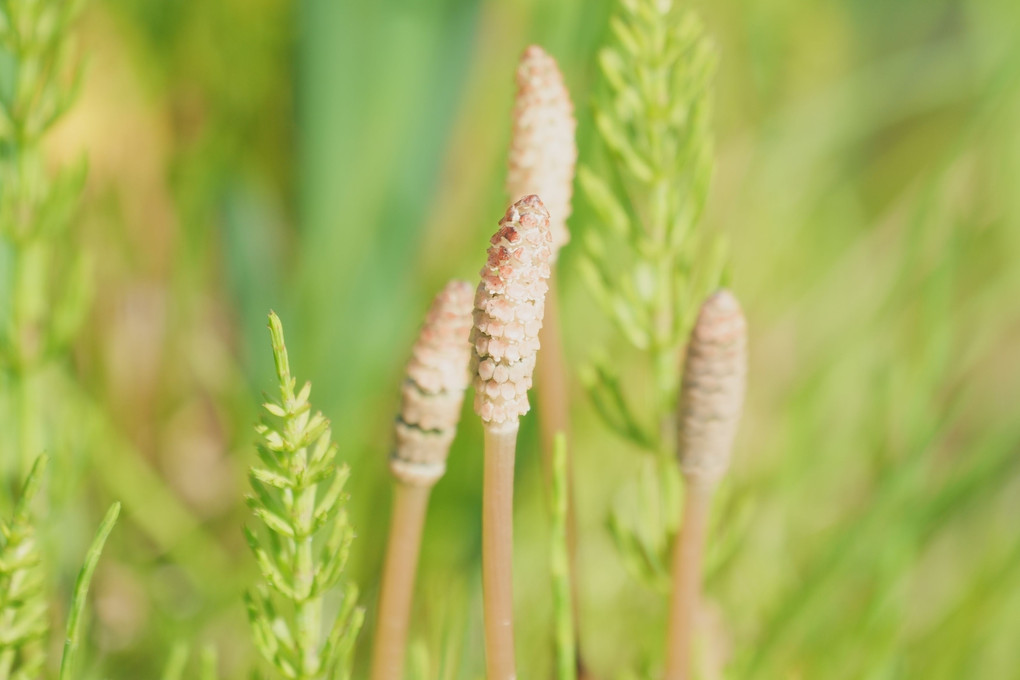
(563, 606)
(174, 669)
(297, 493)
(309, 613)
(26, 419)
(81, 591)
(210, 661)
(646, 263)
(35, 208)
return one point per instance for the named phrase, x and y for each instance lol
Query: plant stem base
(406, 525)
(687, 558)
(497, 551)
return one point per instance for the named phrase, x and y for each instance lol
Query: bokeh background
(338, 161)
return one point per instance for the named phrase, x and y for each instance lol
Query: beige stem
(551, 384)
(687, 557)
(409, 506)
(497, 551)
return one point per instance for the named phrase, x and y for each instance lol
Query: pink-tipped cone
(543, 150)
(509, 306)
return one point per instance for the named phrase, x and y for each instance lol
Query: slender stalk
(24, 332)
(432, 395)
(308, 614)
(497, 550)
(509, 303)
(410, 503)
(210, 663)
(711, 400)
(554, 418)
(542, 160)
(309, 609)
(27, 419)
(665, 364)
(174, 669)
(687, 559)
(81, 591)
(567, 661)
(32, 235)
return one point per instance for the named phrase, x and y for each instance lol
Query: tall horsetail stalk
(542, 160)
(47, 289)
(543, 154)
(509, 306)
(715, 374)
(433, 392)
(298, 496)
(648, 262)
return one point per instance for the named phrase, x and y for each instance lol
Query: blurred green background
(338, 161)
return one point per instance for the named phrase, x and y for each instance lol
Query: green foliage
(298, 496)
(72, 636)
(45, 291)
(176, 661)
(23, 604)
(45, 285)
(648, 264)
(210, 661)
(865, 174)
(36, 55)
(872, 555)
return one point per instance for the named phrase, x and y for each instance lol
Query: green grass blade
(174, 669)
(563, 606)
(81, 591)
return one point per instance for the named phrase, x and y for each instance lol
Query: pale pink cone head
(433, 391)
(509, 306)
(543, 149)
(712, 396)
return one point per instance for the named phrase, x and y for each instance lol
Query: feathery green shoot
(298, 496)
(23, 606)
(647, 267)
(650, 266)
(46, 291)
